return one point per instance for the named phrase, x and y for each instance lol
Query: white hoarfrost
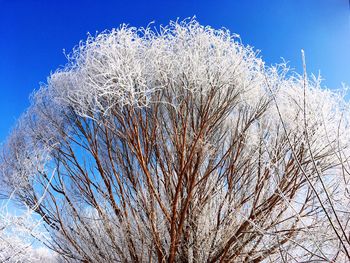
(21, 236)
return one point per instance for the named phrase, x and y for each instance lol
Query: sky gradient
(33, 34)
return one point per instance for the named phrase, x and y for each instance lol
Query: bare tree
(180, 145)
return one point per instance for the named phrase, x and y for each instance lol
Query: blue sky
(33, 34)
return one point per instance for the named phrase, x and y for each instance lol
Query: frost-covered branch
(20, 236)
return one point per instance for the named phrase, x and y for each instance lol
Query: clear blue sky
(33, 34)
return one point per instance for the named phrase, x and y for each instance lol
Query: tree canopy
(179, 144)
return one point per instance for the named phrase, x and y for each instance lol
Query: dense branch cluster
(18, 235)
(180, 145)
